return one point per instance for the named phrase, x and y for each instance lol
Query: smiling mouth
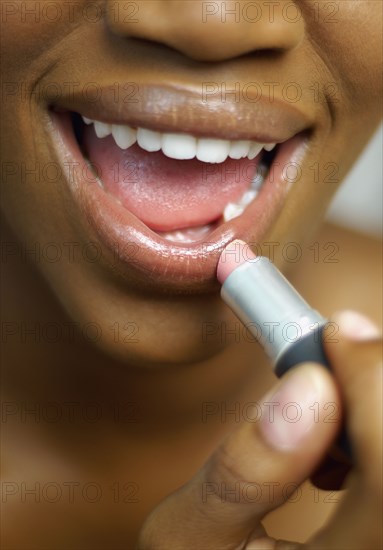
(181, 186)
(172, 181)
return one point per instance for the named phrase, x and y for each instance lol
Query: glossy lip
(169, 109)
(144, 257)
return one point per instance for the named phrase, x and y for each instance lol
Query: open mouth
(164, 191)
(182, 187)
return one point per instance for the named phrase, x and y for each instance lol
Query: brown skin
(170, 442)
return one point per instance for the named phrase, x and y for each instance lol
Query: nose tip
(210, 31)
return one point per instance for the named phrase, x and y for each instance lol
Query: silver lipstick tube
(269, 306)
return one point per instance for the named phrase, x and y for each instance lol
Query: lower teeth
(187, 235)
(233, 210)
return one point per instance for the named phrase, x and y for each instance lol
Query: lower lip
(145, 258)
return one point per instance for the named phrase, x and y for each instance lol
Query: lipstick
(287, 328)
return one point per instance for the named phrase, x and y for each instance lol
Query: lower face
(133, 186)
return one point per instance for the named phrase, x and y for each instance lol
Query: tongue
(167, 194)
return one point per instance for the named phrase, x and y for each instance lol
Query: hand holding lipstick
(263, 298)
(225, 502)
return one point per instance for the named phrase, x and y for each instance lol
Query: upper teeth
(179, 146)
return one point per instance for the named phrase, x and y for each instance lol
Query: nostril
(222, 34)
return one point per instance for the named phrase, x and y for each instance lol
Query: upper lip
(174, 109)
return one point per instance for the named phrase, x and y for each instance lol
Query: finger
(357, 365)
(257, 467)
(356, 359)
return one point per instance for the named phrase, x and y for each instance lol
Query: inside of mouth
(181, 200)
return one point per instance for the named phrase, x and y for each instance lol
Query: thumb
(253, 471)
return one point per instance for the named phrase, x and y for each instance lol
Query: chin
(143, 329)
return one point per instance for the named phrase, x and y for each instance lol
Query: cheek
(33, 189)
(25, 33)
(349, 36)
(29, 29)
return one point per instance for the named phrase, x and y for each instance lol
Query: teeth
(255, 149)
(102, 130)
(235, 209)
(148, 140)
(232, 211)
(179, 146)
(248, 196)
(213, 150)
(124, 136)
(269, 146)
(184, 147)
(192, 234)
(239, 149)
(187, 235)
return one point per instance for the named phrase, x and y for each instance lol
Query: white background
(358, 202)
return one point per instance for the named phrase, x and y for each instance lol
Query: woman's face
(132, 254)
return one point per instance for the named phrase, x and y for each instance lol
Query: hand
(221, 508)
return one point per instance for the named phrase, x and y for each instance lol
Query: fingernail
(356, 326)
(289, 415)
